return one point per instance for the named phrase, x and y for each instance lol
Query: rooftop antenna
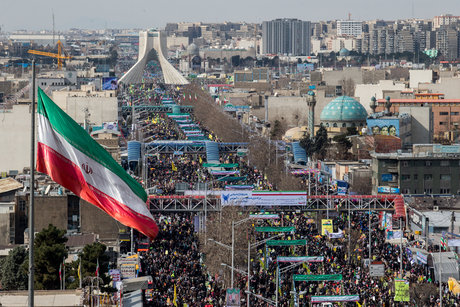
(412, 8)
(54, 41)
(349, 16)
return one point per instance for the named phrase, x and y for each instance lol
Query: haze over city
(36, 15)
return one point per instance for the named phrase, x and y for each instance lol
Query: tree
(13, 271)
(343, 145)
(321, 142)
(91, 255)
(277, 130)
(316, 146)
(50, 251)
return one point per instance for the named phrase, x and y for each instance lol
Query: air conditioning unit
(435, 208)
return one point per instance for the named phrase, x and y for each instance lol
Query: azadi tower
(149, 41)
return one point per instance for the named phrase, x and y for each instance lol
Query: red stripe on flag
(69, 175)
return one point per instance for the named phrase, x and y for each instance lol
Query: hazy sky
(97, 14)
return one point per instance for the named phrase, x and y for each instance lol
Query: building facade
(431, 169)
(286, 36)
(349, 28)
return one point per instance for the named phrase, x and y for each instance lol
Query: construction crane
(60, 56)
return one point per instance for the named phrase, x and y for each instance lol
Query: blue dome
(344, 52)
(344, 109)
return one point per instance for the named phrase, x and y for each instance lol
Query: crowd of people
(176, 264)
(372, 291)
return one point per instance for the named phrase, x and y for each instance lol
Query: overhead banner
(332, 277)
(401, 290)
(300, 259)
(258, 198)
(275, 229)
(335, 235)
(326, 225)
(286, 242)
(333, 299)
(453, 242)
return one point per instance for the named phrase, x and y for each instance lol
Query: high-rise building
(447, 43)
(286, 36)
(444, 20)
(349, 28)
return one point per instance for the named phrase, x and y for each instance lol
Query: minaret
(388, 104)
(373, 104)
(311, 101)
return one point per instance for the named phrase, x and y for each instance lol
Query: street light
(252, 216)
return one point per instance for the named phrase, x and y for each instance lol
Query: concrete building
(445, 114)
(15, 135)
(429, 169)
(447, 43)
(417, 77)
(421, 124)
(444, 20)
(398, 126)
(101, 106)
(349, 28)
(364, 92)
(38, 39)
(286, 36)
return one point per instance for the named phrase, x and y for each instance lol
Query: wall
(420, 76)
(450, 87)
(364, 92)
(335, 77)
(50, 210)
(15, 136)
(94, 220)
(421, 124)
(101, 106)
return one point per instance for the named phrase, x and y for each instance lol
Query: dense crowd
(174, 261)
(372, 291)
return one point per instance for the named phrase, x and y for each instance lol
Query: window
(22, 205)
(428, 177)
(415, 176)
(405, 163)
(443, 113)
(405, 177)
(406, 191)
(445, 163)
(454, 113)
(445, 177)
(334, 125)
(344, 125)
(428, 163)
(445, 191)
(428, 191)
(442, 123)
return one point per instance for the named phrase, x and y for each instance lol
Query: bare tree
(348, 87)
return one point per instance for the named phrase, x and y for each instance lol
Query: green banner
(332, 277)
(275, 229)
(229, 179)
(401, 290)
(224, 165)
(286, 242)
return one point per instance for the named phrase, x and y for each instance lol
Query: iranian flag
(68, 154)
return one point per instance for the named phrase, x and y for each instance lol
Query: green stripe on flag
(82, 141)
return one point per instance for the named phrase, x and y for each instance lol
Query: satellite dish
(48, 188)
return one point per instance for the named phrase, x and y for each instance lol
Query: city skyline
(87, 14)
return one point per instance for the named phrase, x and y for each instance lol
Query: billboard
(387, 190)
(305, 67)
(387, 126)
(109, 83)
(253, 198)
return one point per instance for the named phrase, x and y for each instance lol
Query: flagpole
(79, 271)
(32, 191)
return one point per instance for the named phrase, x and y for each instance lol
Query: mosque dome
(343, 111)
(344, 52)
(193, 49)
